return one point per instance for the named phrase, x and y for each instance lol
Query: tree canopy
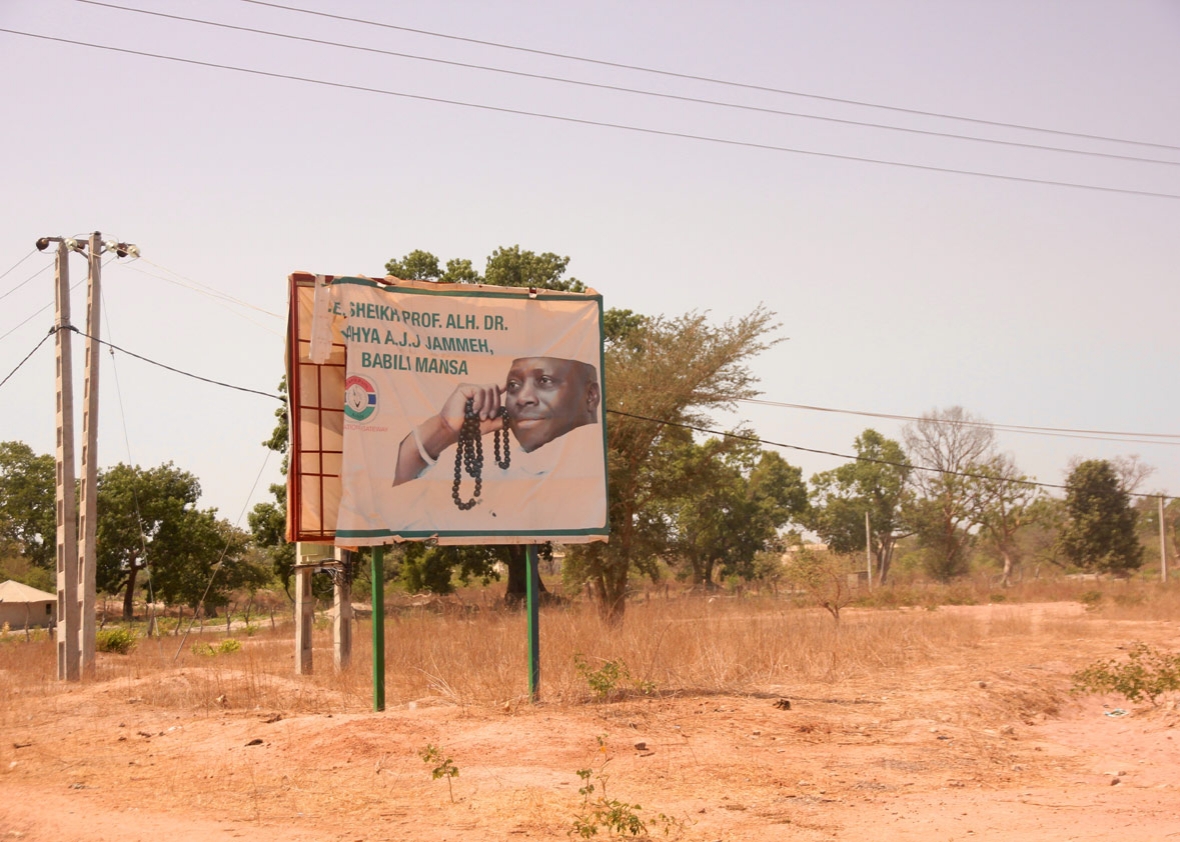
(28, 508)
(874, 485)
(1099, 532)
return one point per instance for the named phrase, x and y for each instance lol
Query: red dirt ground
(987, 746)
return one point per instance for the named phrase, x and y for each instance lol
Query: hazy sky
(905, 280)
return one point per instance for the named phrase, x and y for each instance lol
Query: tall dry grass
(753, 644)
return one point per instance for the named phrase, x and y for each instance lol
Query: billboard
(468, 413)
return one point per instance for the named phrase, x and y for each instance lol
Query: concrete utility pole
(88, 522)
(77, 570)
(68, 655)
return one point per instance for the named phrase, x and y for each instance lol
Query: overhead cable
(637, 91)
(857, 458)
(26, 359)
(1064, 432)
(14, 266)
(599, 123)
(709, 79)
(175, 370)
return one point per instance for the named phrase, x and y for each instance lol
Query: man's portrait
(541, 398)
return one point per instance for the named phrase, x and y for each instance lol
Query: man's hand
(438, 432)
(485, 402)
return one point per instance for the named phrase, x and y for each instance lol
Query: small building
(24, 607)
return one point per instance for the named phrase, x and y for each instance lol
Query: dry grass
(670, 646)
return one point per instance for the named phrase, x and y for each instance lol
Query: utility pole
(87, 524)
(68, 655)
(77, 569)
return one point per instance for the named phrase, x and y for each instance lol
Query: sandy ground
(989, 745)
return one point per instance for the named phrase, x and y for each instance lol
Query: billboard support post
(533, 586)
(378, 598)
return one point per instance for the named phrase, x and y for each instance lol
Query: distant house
(24, 607)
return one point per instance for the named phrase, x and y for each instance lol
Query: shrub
(118, 640)
(1147, 673)
(605, 681)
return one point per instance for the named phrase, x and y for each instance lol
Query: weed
(605, 681)
(228, 645)
(618, 817)
(443, 767)
(1147, 673)
(1091, 599)
(117, 640)
(205, 649)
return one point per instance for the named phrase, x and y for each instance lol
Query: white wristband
(421, 449)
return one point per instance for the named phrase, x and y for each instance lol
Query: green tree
(1099, 532)
(948, 444)
(660, 372)
(511, 267)
(208, 558)
(876, 485)
(148, 520)
(28, 518)
(731, 500)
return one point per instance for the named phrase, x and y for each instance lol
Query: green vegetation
(117, 640)
(441, 767)
(1146, 674)
(609, 678)
(225, 647)
(599, 811)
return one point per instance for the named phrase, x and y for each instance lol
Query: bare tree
(948, 443)
(1130, 471)
(1004, 502)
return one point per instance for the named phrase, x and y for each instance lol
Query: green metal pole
(533, 579)
(378, 597)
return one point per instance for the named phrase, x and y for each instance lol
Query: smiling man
(545, 398)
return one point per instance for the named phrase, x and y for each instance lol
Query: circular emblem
(360, 398)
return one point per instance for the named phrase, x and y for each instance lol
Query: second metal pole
(531, 591)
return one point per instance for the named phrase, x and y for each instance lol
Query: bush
(1147, 673)
(118, 640)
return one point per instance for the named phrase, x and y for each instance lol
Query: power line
(599, 123)
(172, 369)
(637, 91)
(711, 80)
(25, 281)
(1063, 432)
(856, 458)
(27, 356)
(7, 272)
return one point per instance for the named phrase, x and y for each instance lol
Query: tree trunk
(1004, 582)
(129, 597)
(518, 571)
(611, 595)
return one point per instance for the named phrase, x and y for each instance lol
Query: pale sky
(904, 286)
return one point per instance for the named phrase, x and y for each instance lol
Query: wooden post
(342, 611)
(378, 599)
(1163, 544)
